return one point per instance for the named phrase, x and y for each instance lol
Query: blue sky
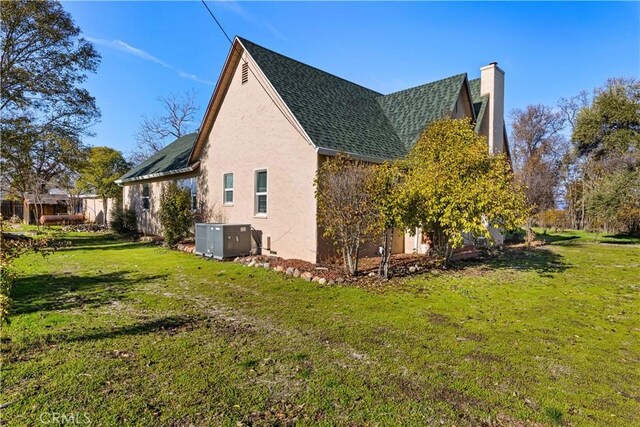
(548, 50)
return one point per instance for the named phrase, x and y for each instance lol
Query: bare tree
(345, 206)
(538, 150)
(570, 107)
(573, 167)
(156, 131)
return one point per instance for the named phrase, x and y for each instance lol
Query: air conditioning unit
(222, 241)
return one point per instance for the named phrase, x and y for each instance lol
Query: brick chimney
(492, 84)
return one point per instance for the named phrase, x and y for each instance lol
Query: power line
(284, 114)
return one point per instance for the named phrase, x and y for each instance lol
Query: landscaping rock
(412, 269)
(315, 279)
(307, 276)
(332, 282)
(322, 281)
(296, 273)
(237, 259)
(291, 272)
(280, 269)
(340, 280)
(265, 265)
(251, 264)
(372, 274)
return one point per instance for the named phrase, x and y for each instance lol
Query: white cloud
(127, 48)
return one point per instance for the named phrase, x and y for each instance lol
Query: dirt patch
(279, 414)
(477, 356)
(504, 420)
(438, 319)
(475, 337)
(460, 402)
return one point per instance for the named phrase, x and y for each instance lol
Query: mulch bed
(401, 265)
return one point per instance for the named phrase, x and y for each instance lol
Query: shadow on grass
(47, 292)
(170, 325)
(539, 260)
(621, 239)
(101, 242)
(554, 238)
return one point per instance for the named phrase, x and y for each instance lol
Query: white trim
(225, 189)
(256, 194)
(147, 198)
(190, 168)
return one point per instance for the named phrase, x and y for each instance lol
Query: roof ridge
(242, 40)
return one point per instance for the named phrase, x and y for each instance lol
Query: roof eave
(370, 159)
(147, 177)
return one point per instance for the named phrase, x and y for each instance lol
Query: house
(272, 120)
(54, 202)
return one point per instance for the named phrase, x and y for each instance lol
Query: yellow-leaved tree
(453, 186)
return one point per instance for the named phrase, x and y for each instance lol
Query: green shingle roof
(410, 110)
(171, 158)
(479, 101)
(335, 113)
(343, 116)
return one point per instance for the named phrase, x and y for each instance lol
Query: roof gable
(411, 110)
(336, 114)
(172, 159)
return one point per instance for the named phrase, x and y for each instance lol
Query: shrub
(175, 213)
(123, 221)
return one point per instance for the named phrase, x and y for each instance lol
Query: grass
(133, 334)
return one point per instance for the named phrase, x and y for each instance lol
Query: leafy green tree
(175, 213)
(44, 111)
(104, 165)
(454, 186)
(611, 124)
(606, 136)
(615, 201)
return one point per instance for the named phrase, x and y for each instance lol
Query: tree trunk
(357, 254)
(529, 237)
(387, 252)
(25, 211)
(582, 214)
(104, 206)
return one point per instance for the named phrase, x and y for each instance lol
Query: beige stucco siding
(94, 210)
(148, 220)
(463, 106)
(250, 133)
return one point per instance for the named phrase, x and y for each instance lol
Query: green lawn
(132, 334)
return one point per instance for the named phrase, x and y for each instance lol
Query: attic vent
(245, 72)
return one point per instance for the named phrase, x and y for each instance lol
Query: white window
(146, 192)
(261, 192)
(228, 188)
(190, 184)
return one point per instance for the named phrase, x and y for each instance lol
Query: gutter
(188, 169)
